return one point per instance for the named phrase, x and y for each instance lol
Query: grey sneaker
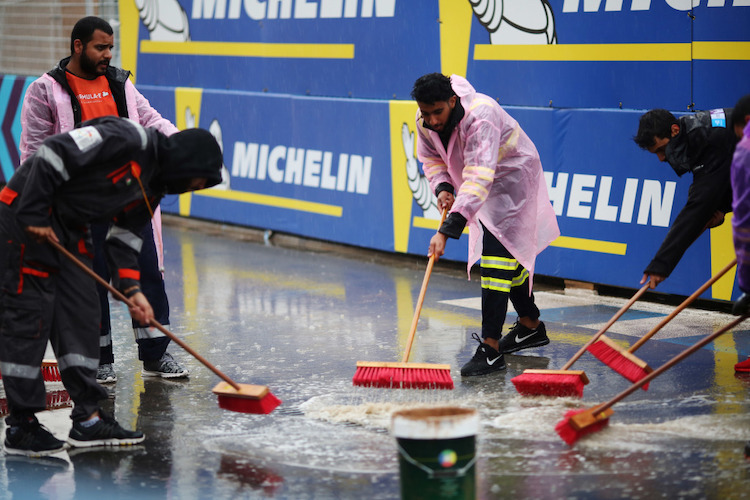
(105, 374)
(166, 367)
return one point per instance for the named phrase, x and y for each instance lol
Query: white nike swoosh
(493, 361)
(521, 339)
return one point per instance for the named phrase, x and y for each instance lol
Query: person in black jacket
(110, 170)
(702, 144)
(84, 86)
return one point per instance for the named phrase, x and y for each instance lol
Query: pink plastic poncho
(47, 110)
(497, 174)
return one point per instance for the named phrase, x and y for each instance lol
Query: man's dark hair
(432, 88)
(740, 111)
(84, 30)
(654, 123)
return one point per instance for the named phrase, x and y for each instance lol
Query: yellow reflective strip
(434, 160)
(480, 102)
(503, 263)
(478, 171)
(520, 279)
(509, 144)
(496, 284)
(477, 189)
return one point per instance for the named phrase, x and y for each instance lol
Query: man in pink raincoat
(85, 86)
(486, 171)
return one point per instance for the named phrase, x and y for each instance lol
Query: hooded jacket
(705, 151)
(50, 107)
(110, 169)
(496, 174)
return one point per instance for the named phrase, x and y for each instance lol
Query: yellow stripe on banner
(273, 201)
(722, 253)
(739, 51)
(249, 49)
(585, 52)
(598, 246)
(425, 223)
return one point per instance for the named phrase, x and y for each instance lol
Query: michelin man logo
(509, 22)
(215, 129)
(516, 22)
(165, 20)
(418, 183)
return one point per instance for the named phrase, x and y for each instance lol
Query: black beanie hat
(187, 155)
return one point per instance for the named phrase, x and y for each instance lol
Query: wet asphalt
(298, 320)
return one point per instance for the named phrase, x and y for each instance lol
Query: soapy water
(687, 431)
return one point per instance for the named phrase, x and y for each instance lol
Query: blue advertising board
(363, 186)
(560, 53)
(310, 102)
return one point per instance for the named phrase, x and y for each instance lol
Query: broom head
(248, 399)
(620, 360)
(55, 400)
(50, 371)
(402, 375)
(578, 423)
(556, 383)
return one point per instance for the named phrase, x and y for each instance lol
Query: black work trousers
(44, 297)
(503, 278)
(151, 342)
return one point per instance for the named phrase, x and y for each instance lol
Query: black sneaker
(485, 361)
(106, 432)
(519, 337)
(31, 440)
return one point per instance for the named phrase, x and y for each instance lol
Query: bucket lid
(435, 423)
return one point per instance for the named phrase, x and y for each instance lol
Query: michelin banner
(635, 54)
(310, 102)
(292, 165)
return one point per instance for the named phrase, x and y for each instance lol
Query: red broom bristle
(402, 378)
(556, 385)
(50, 371)
(262, 406)
(58, 399)
(613, 358)
(570, 434)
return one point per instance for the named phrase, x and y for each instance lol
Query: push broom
(565, 382)
(623, 361)
(243, 398)
(579, 423)
(405, 375)
(50, 371)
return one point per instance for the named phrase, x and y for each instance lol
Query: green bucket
(436, 452)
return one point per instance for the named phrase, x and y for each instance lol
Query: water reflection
(247, 475)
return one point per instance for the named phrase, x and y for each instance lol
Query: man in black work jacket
(702, 144)
(110, 169)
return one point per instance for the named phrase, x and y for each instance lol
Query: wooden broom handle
(153, 322)
(420, 300)
(682, 306)
(606, 327)
(666, 366)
